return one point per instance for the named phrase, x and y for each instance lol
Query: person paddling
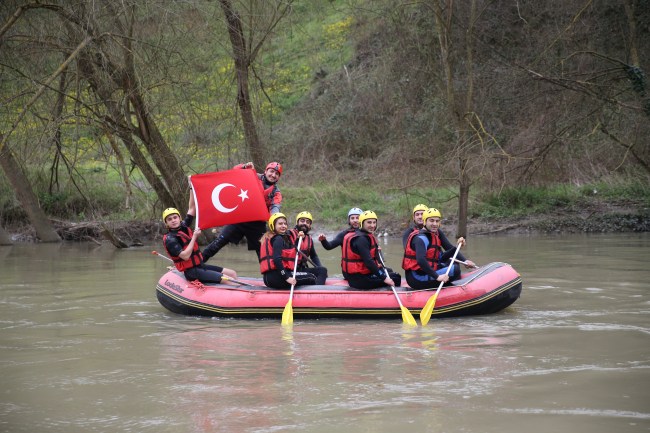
(307, 251)
(181, 244)
(254, 230)
(278, 256)
(427, 256)
(360, 260)
(353, 223)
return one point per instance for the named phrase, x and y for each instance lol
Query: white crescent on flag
(216, 200)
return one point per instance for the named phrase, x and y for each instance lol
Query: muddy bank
(584, 220)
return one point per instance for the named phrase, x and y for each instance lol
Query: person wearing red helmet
(253, 230)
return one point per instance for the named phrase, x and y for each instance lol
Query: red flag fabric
(228, 197)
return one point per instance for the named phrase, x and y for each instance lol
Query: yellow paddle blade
(287, 314)
(407, 317)
(426, 312)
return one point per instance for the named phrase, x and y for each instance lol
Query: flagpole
(196, 207)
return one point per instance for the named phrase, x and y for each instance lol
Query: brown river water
(86, 347)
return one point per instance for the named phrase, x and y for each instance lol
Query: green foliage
(619, 189)
(525, 200)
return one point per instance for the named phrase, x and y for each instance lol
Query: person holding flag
(252, 230)
(181, 244)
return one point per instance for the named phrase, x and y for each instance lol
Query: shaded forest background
(106, 107)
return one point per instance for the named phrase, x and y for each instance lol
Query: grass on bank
(329, 202)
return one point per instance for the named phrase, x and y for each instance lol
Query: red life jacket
(409, 261)
(270, 196)
(305, 246)
(195, 259)
(351, 262)
(266, 256)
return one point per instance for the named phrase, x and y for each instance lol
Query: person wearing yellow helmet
(427, 256)
(353, 224)
(307, 251)
(360, 261)
(278, 254)
(181, 244)
(417, 223)
(254, 230)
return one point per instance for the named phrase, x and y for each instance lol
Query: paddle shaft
(407, 317)
(453, 259)
(308, 258)
(287, 313)
(156, 253)
(295, 269)
(465, 263)
(427, 310)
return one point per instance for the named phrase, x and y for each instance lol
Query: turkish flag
(228, 197)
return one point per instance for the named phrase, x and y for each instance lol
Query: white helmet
(354, 211)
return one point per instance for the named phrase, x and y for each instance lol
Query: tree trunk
(28, 200)
(121, 165)
(165, 160)
(242, 60)
(458, 113)
(463, 201)
(117, 123)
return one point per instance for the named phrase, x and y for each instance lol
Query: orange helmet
(275, 166)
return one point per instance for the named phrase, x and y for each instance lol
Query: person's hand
(443, 278)
(470, 264)
(197, 232)
(461, 241)
(291, 280)
(301, 234)
(321, 237)
(389, 281)
(249, 165)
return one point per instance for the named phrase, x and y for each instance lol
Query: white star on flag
(243, 194)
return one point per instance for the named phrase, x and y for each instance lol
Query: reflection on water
(86, 347)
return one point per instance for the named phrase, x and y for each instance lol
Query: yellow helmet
(274, 217)
(366, 215)
(170, 211)
(421, 207)
(304, 214)
(430, 213)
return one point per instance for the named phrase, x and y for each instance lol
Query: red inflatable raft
(485, 290)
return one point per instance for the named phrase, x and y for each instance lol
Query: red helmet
(275, 166)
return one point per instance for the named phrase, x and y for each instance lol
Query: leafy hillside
(377, 103)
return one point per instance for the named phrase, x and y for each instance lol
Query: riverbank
(593, 218)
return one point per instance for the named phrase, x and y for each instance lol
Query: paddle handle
(453, 259)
